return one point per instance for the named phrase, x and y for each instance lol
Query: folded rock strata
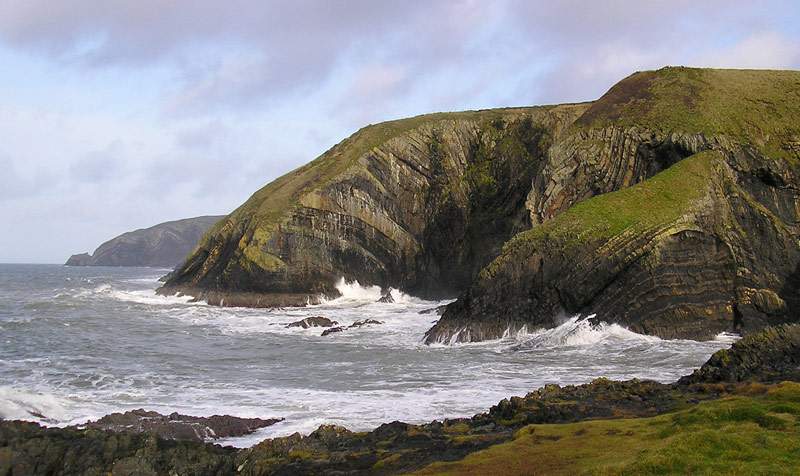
(420, 204)
(669, 205)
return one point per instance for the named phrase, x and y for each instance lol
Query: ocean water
(79, 343)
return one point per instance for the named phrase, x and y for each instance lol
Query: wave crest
(582, 331)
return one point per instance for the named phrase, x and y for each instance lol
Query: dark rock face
(771, 356)
(180, 427)
(332, 330)
(629, 224)
(164, 245)
(365, 322)
(28, 449)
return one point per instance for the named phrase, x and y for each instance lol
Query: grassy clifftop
(753, 434)
(275, 200)
(758, 106)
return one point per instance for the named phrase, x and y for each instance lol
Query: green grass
(754, 106)
(735, 435)
(657, 202)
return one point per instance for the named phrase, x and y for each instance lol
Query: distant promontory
(163, 245)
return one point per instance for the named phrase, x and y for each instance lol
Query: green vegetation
(272, 204)
(659, 201)
(736, 435)
(755, 107)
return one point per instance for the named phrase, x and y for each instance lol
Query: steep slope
(701, 245)
(421, 204)
(163, 245)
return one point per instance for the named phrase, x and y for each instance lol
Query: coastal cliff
(669, 205)
(163, 245)
(421, 204)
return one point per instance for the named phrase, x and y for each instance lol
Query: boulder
(315, 321)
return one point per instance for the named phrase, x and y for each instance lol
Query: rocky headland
(748, 370)
(670, 205)
(161, 246)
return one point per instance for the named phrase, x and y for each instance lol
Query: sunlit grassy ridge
(754, 106)
(282, 192)
(735, 435)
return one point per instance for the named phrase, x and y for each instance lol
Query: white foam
(25, 405)
(353, 292)
(578, 331)
(727, 337)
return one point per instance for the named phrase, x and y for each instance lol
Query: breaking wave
(582, 331)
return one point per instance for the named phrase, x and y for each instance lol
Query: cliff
(671, 207)
(420, 204)
(163, 245)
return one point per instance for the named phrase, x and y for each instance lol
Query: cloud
(764, 49)
(99, 166)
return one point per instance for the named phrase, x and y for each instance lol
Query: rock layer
(420, 204)
(180, 427)
(164, 245)
(699, 236)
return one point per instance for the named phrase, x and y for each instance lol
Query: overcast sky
(120, 114)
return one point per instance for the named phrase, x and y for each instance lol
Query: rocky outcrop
(180, 427)
(770, 356)
(314, 321)
(420, 204)
(163, 246)
(401, 448)
(672, 222)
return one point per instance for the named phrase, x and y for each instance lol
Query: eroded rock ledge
(180, 427)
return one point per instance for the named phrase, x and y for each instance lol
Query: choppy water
(79, 343)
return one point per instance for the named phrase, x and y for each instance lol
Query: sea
(78, 343)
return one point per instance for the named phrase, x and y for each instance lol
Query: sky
(117, 115)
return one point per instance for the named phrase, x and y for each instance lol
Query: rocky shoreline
(753, 363)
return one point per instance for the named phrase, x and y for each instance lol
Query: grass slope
(754, 433)
(755, 106)
(660, 200)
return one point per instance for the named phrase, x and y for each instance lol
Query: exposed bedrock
(420, 204)
(705, 247)
(180, 427)
(670, 206)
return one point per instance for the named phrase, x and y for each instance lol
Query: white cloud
(765, 49)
